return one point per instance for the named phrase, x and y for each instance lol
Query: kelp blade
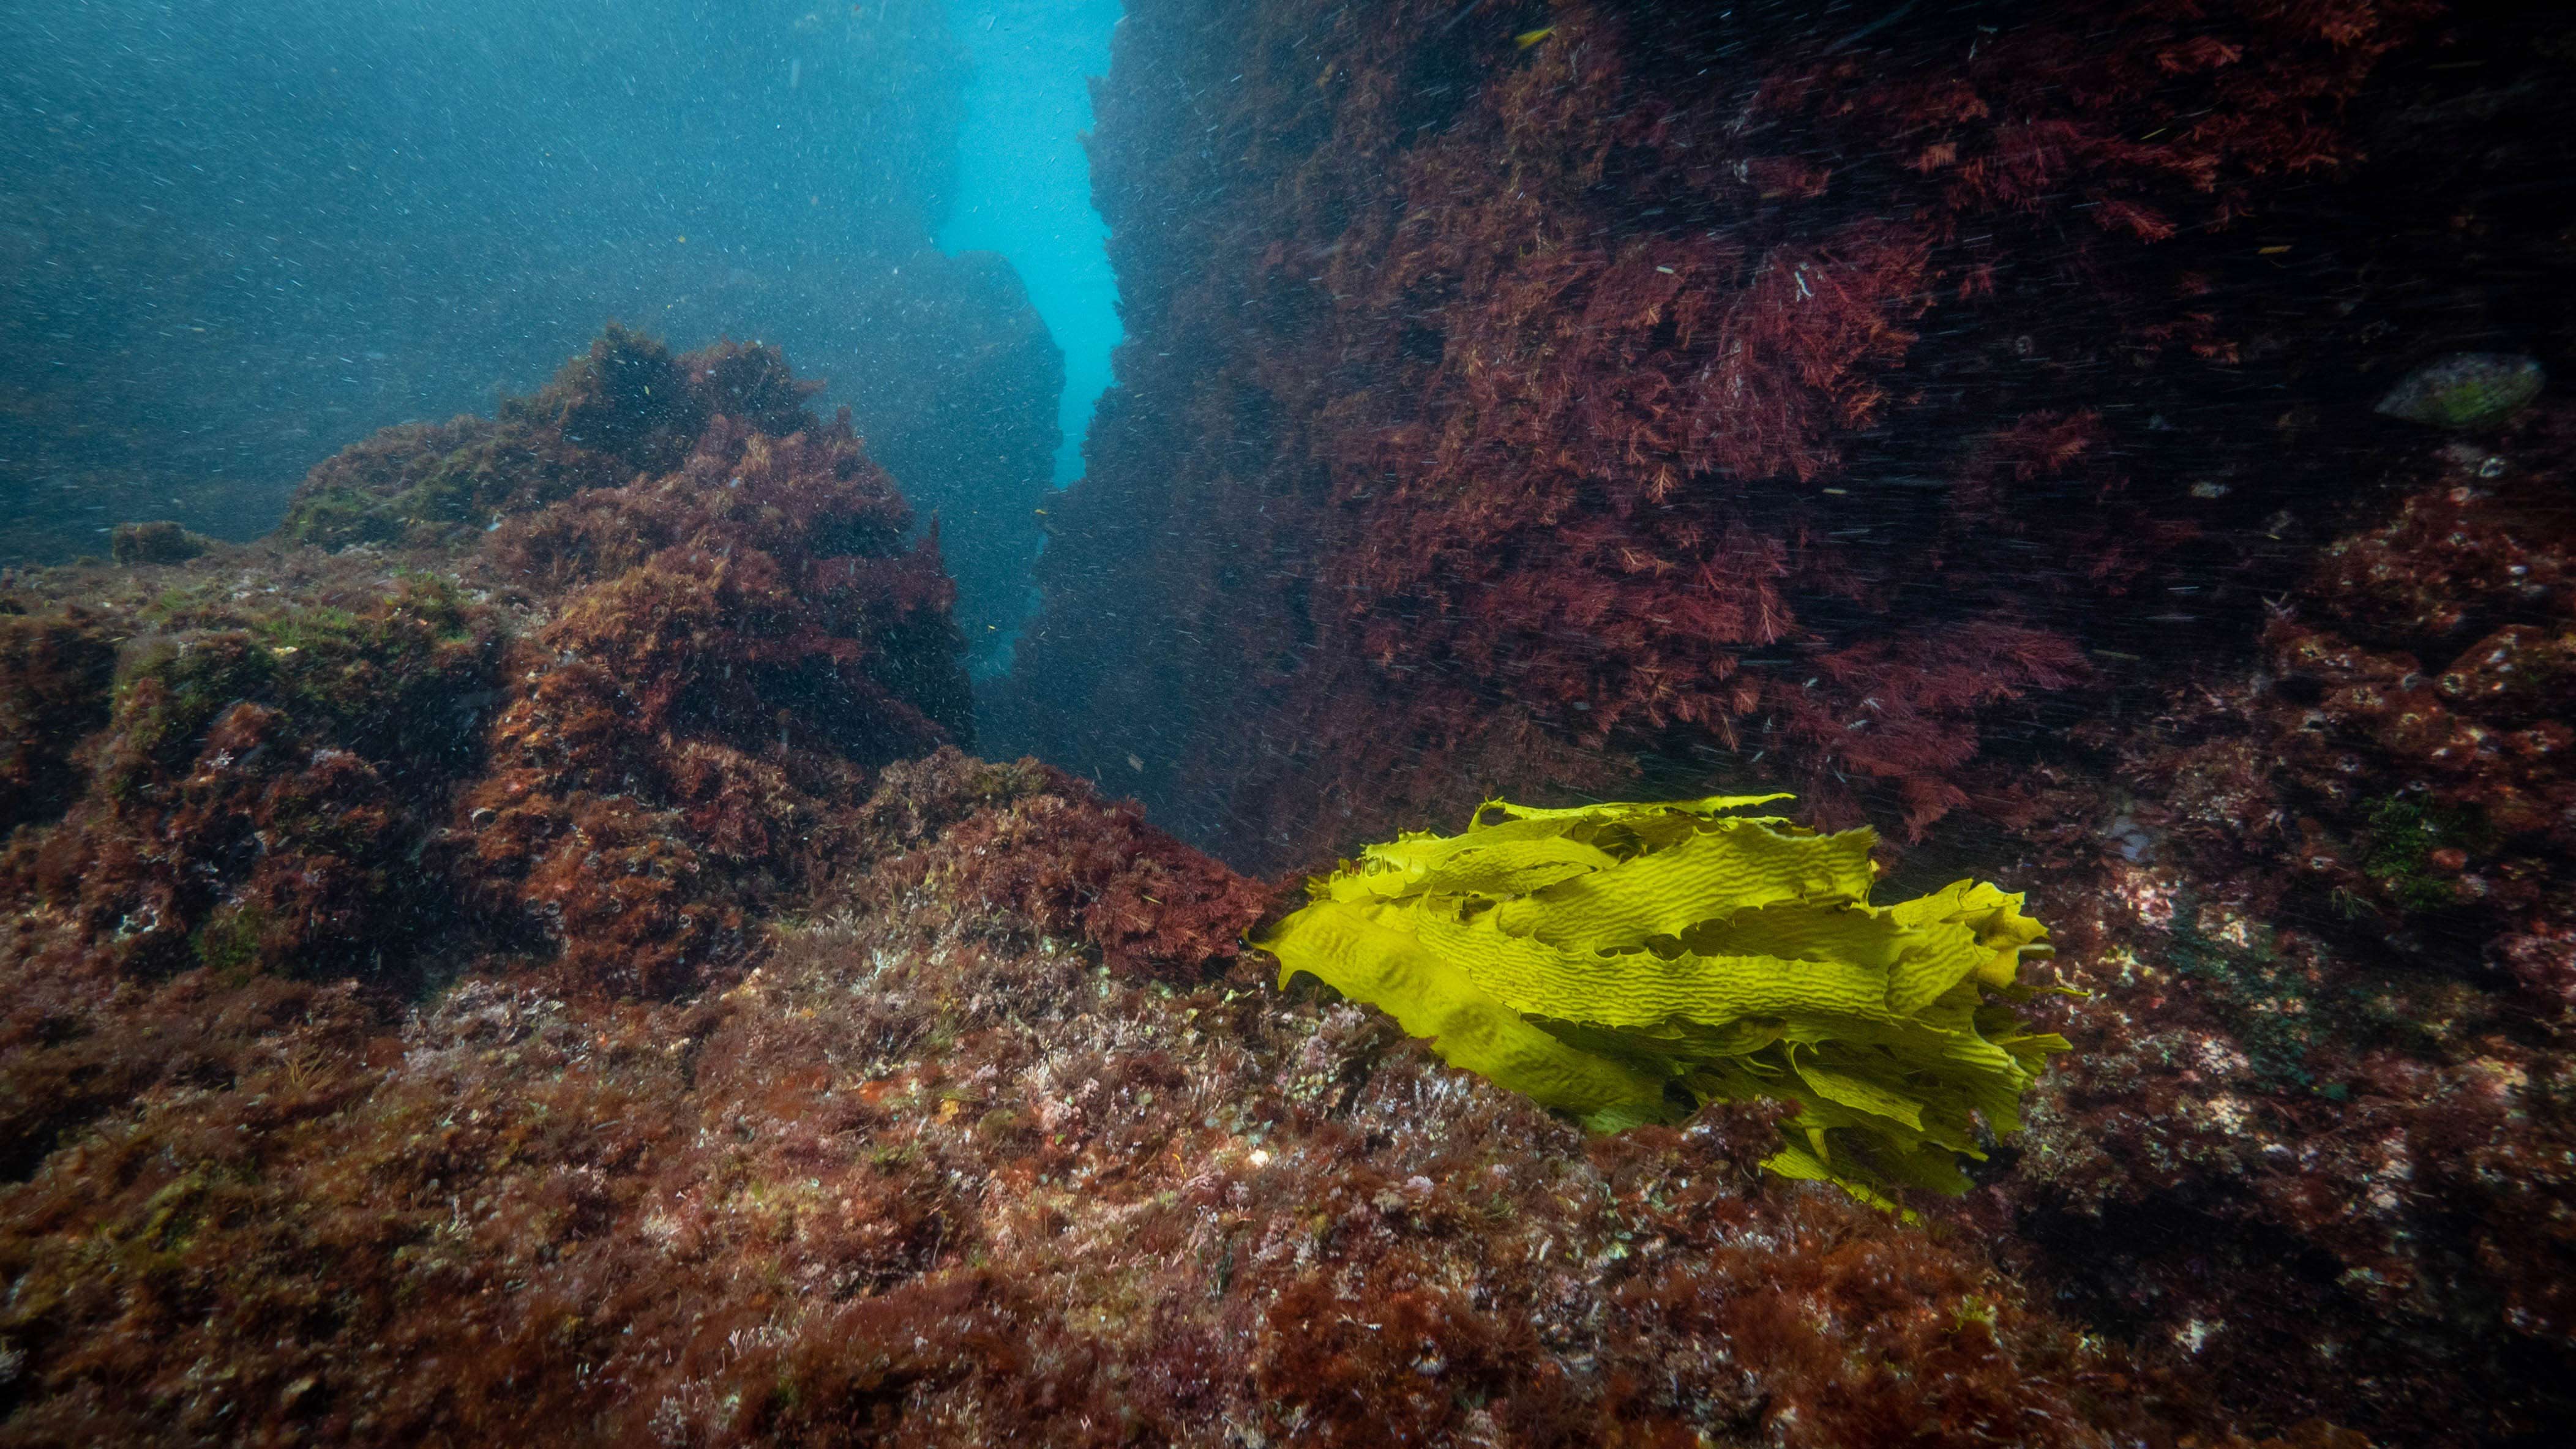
(1624, 962)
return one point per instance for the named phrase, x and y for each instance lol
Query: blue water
(1024, 184)
(235, 238)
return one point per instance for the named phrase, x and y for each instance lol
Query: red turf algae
(556, 981)
(527, 954)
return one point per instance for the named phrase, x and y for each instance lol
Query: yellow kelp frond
(1628, 962)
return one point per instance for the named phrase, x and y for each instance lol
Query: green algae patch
(1627, 963)
(2465, 390)
(229, 942)
(2403, 844)
(387, 677)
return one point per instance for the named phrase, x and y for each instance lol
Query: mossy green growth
(1628, 962)
(442, 490)
(338, 518)
(2403, 833)
(229, 942)
(426, 482)
(2466, 390)
(169, 690)
(2267, 1000)
(384, 679)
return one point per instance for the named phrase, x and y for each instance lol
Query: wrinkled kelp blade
(1591, 957)
(1342, 946)
(1734, 866)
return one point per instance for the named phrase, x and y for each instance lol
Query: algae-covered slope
(993, 1148)
(592, 682)
(1628, 963)
(529, 985)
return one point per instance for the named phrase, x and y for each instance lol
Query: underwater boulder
(2465, 390)
(157, 542)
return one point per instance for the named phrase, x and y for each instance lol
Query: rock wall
(1968, 422)
(1691, 393)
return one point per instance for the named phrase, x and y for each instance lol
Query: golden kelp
(1628, 962)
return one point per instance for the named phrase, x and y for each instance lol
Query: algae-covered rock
(157, 542)
(625, 408)
(54, 676)
(2465, 390)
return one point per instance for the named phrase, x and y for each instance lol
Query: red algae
(54, 675)
(565, 983)
(2324, 1121)
(740, 642)
(1045, 849)
(1946, 422)
(524, 954)
(1515, 417)
(939, 1176)
(600, 728)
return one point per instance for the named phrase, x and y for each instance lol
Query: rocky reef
(524, 954)
(521, 954)
(2326, 1118)
(1694, 391)
(590, 678)
(1974, 429)
(958, 1161)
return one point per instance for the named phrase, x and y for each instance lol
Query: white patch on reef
(2195, 1333)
